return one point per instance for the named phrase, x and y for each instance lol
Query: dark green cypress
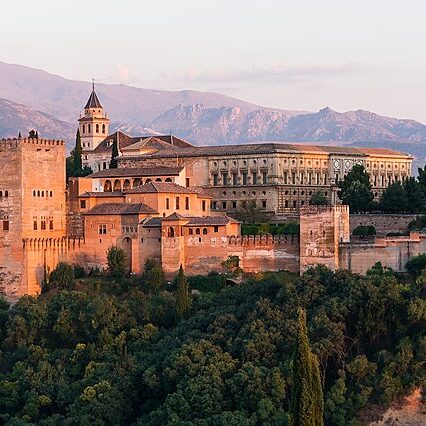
(19, 135)
(307, 398)
(77, 155)
(183, 299)
(114, 163)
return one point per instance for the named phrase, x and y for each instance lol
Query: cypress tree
(19, 135)
(307, 403)
(36, 134)
(183, 299)
(113, 163)
(77, 153)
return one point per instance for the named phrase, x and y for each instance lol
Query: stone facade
(32, 206)
(384, 223)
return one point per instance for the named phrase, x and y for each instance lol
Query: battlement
(51, 242)
(14, 142)
(264, 240)
(315, 210)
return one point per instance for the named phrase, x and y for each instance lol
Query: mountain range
(34, 99)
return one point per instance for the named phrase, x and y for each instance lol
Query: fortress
(169, 200)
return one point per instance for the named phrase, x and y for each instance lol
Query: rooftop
(93, 101)
(137, 172)
(120, 209)
(160, 187)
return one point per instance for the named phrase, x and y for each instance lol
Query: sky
(299, 54)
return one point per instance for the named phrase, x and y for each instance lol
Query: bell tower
(93, 123)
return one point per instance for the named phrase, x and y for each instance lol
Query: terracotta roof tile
(120, 209)
(137, 172)
(160, 187)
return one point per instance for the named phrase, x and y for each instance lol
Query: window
(203, 205)
(215, 180)
(35, 225)
(294, 204)
(89, 128)
(285, 178)
(51, 225)
(5, 225)
(34, 193)
(167, 203)
(170, 232)
(293, 178)
(102, 229)
(191, 231)
(204, 231)
(97, 128)
(286, 203)
(214, 205)
(197, 231)
(224, 205)
(43, 225)
(254, 178)
(82, 204)
(302, 178)
(216, 229)
(234, 179)
(103, 128)
(186, 182)
(265, 178)
(234, 204)
(264, 204)
(177, 203)
(186, 203)
(225, 179)
(244, 178)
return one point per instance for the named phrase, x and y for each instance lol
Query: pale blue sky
(304, 54)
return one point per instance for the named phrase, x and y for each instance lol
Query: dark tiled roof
(152, 187)
(161, 142)
(120, 209)
(267, 148)
(138, 172)
(202, 220)
(102, 194)
(93, 101)
(152, 222)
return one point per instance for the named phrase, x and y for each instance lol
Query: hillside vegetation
(103, 351)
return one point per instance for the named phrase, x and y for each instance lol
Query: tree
(19, 135)
(355, 190)
(248, 212)
(416, 197)
(63, 275)
(183, 299)
(153, 279)
(117, 262)
(307, 399)
(33, 134)
(77, 153)
(319, 199)
(114, 154)
(394, 199)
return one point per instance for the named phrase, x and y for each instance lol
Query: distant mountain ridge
(36, 99)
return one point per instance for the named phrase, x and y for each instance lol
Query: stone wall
(384, 223)
(75, 225)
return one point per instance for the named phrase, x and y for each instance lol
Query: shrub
(416, 264)
(153, 279)
(364, 231)
(117, 262)
(62, 276)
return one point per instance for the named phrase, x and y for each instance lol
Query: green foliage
(248, 212)
(394, 199)
(153, 279)
(117, 262)
(319, 199)
(62, 276)
(183, 297)
(307, 404)
(288, 228)
(74, 163)
(416, 264)
(418, 224)
(355, 190)
(364, 231)
(33, 134)
(114, 155)
(98, 356)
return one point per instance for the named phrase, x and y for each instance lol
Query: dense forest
(111, 350)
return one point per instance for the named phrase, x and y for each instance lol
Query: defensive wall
(384, 223)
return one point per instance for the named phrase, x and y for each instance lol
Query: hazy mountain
(15, 118)
(53, 104)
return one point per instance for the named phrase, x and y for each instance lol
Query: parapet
(264, 240)
(314, 210)
(30, 141)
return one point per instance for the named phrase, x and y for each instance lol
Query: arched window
(197, 231)
(107, 186)
(6, 193)
(136, 182)
(103, 128)
(158, 180)
(89, 128)
(117, 185)
(170, 232)
(84, 129)
(1, 193)
(51, 193)
(126, 185)
(38, 193)
(42, 193)
(34, 193)
(204, 231)
(97, 128)
(191, 232)
(168, 180)
(148, 180)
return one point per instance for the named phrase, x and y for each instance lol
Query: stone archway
(107, 186)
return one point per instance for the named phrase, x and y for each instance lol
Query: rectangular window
(35, 225)
(102, 229)
(244, 178)
(234, 179)
(215, 180)
(254, 180)
(187, 182)
(302, 178)
(5, 225)
(214, 205)
(177, 203)
(216, 229)
(51, 225)
(286, 204)
(82, 204)
(293, 178)
(309, 178)
(203, 205)
(234, 204)
(265, 178)
(225, 179)
(318, 179)
(224, 205)
(325, 179)
(263, 204)
(285, 178)
(186, 203)
(43, 225)
(167, 203)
